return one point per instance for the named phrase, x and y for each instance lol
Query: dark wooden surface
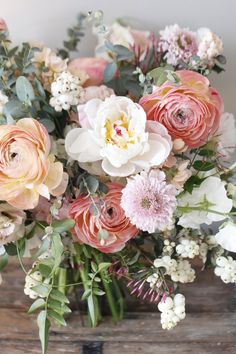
(209, 328)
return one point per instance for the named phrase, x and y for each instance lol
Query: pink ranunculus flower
(3, 25)
(190, 111)
(12, 226)
(94, 67)
(27, 170)
(110, 230)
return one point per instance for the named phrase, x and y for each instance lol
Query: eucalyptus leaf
(49, 124)
(63, 225)
(24, 89)
(110, 71)
(92, 184)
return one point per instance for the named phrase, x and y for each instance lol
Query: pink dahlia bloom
(108, 231)
(148, 201)
(178, 44)
(190, 111)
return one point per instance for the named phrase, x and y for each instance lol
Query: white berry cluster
(187, 248)
(179, 271)
(153, 280)
(226, 269)
(183, 272)
(31, 280)
(168, 248)
(172, 311)
(66, 91)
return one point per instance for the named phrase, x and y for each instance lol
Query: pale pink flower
(178, 44)
(93, 67)
(190, 111)
(12, 226)
(209, 45)
(110, 229)
(182, 174)
(3, 25)
(148, 201)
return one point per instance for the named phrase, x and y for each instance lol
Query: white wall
(47, 20)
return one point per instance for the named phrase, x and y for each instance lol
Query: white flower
(66, 91)
(226, 269)
(187, 248)
(209, 44)
(120, 137)
(172, 311)
(3, 101)
(226, 237)
(153, 280)
(226, 135)
(231, 189)
(168, 248)
(211, 195)
(167, 262)
(183, 273)
(203, 250)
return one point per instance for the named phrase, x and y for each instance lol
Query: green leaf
(110, 71)
(58, 295)
(206, 152)
(49, 124)
(63, 225)
(3, 261)
(37, 304)
(91, 308)
(57, 317)
(45, 270)
(192, 182)
(123, 53)
(203, 165)
(41, 290)
(94, 267)
(103, 266)
(86, 294)
(11, 249)
(98, 292)
(13, 108)
(24, 89)
(92, 184)
(40, 88)
(44, 247)
(44, 326)
(57, 249)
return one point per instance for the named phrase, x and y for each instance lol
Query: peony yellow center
(118, 133)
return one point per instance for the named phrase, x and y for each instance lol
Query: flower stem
(62, 280)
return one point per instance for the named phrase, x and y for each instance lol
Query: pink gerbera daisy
(148, 201)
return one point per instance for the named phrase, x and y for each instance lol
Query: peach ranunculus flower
(110, 230)
(94, 68)
(27, 170)
(190, 111)
(12, 225)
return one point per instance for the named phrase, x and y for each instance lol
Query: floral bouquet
(115, 170)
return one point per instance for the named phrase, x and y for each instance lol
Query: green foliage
(24, 90)
(162, 74)
(200, 165)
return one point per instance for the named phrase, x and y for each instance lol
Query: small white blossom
(153, 280)
(226, 269)
(209, 45)
(172, 311)
(66, 91)
(167, 262)
(203, 250)
(183, 273)
(168, 248)
(3, 101)
(187, 248)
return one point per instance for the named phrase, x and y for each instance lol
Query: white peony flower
(226, 134)
(226, 269)
(209, 44)
(211, 195)
(226, 237)
(119, 137)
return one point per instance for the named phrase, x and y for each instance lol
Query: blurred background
(47, 20)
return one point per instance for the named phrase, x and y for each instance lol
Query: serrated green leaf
(58, 295)
(24, 89)
(44, 326)
(63, 225)
(57, 317)
(37, 304)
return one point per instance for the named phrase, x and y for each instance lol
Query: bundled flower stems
(116, 171)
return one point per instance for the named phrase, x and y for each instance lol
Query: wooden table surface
(209, 328)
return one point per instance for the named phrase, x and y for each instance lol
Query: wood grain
(209, 327)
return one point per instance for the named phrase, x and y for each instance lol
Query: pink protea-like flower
(190, 111)
(108, 229)
(148, 201)
(178, 44)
